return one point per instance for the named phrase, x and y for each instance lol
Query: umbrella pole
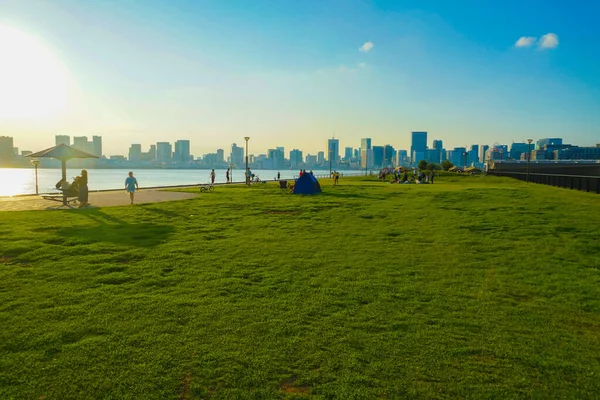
(64, 176)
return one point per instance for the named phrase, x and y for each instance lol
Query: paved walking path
(97, 199)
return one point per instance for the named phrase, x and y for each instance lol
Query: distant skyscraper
(152, 152)
(483, 151)
(419, 142)
(6, 146)
(276, 158)
(348, 153)
(401, 158)
(548, 141)
(438, 145)
(474, 154)
(237, 156)
(366, 153)
(135, 152)
(311, 160)
(96, 146)
(389, 153)
(80, 142)
(516, 149)
(62, 139)
(220, 156)
(377, 156)
(164, 152)
(182, 151)
(321, 157)
(295, 158)
(333, 152)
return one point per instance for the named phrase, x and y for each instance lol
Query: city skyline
(296, 73)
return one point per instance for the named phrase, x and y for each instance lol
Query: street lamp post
(528, 156)
(35, 164)
(330, 163)
(501, 155)
(247, 174)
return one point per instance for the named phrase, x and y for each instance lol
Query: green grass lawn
(469, 288)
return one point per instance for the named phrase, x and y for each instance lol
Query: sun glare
(33, 83)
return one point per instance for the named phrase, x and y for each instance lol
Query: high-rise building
(295, 158)
(135, 152)
(366, 153)
(276, 158)
(220, 156)
(483, 152)
(80, 142)
(96, 146)
(419, 142)
(389, 153)
(348, 153)
(548, 141)
(401, 158)
(333, 152)
(182, 151)
(473, 155)
(164, 152)
(438, 145)
(377, 156)
(237, 156)
(516, 149)
(6, 146)
(458, 156)
(311, 160)
(321, 157)
(62, 139)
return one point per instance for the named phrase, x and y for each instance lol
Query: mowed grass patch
(471, 287)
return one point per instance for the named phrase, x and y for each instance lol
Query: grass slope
(471, 288)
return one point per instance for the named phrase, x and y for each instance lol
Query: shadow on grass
(165, 213)
(115, 230)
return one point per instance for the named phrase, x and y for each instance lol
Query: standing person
(227, 175)
(278, 175)
(432, 175)
(131, 185)
(82, 183)
(336, 177)
(212, 177)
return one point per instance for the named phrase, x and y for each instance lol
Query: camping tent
(307, 184)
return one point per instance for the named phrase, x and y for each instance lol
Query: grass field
(469, 288)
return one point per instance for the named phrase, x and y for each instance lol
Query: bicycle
(207, 188)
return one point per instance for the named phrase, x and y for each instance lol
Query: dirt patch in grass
(185, 387)
(288, 386)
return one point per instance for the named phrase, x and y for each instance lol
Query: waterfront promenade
(97, 199)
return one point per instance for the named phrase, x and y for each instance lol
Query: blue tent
(307, 184)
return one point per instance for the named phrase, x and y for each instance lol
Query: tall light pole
(528, 156)
(247, 174)
(35, 164)
(330, 163)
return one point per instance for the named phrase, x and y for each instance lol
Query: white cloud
(365, 48)
(525, 41)
(548, 41)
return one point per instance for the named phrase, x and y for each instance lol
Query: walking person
(227, 175)
(131, 185)
(212, 177)
(278, 175)
(82, 184)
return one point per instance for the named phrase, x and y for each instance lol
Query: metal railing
(575, 182)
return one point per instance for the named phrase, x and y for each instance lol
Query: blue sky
(290, 73)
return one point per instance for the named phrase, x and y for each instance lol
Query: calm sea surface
(22, 180)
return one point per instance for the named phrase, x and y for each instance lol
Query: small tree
(423, 165)
(446, 165)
